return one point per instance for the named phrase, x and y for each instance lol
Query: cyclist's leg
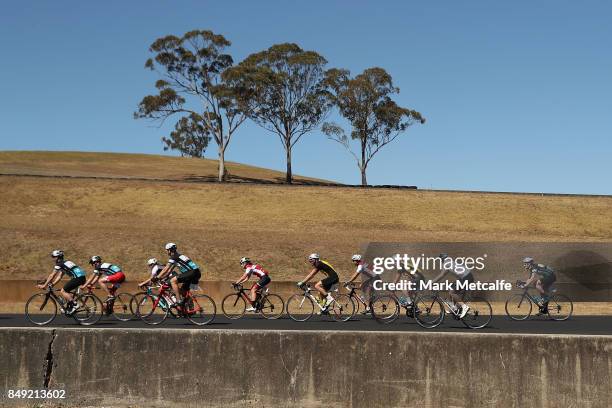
(259, 286)
(546, 286)
(320, 287)
(174, 281)
(71, 285)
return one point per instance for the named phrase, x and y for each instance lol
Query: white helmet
(313, 257)
(57, 253)
(170, 246)
(356, 257)
(244, 260)
(528, 260)
(152, 261)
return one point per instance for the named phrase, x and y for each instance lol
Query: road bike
(121, 306)
(301, 306)
(357, 299)
(153, 308)
(520, 305)
(234, 305)
(431, 310)
(42, 308)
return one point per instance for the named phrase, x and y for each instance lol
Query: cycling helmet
(57, 253)
(95, 259)
(356, 257)
(314, 257)
(244, 260)
(152, 261)
(170, 246)
(528, 260)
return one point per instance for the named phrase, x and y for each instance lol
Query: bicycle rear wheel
(385, 309)
(200, 309)
(150, 311)
(479, 315)
(89, 309)
(272, 306)
(122, 307)
(342, 308)
(518, 307)
(560, 307)
(428, 311)
(300, 307)
(41, 309)
(233, 306)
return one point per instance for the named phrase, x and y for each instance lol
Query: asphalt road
(587, 325)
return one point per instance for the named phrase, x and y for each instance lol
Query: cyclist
(462, 274)
(155, 268)
(76, 274)
(413, 274)
(543, 276)
(323, 286)
(112, 275)
(253, 269)
(367, 278)
(189, 271)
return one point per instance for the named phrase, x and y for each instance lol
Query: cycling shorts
(331, 280)
(263, 281)
(74, 283)
(118, 277)
(188, 278)
(548, 282)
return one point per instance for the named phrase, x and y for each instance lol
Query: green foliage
(365, 101)
(189, 137)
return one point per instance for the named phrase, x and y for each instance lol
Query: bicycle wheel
(136, 298)
(429, 311)
(200, 309)
(560, 307)
(122, 309)
(342, 308)
(300, 307)
(518, 307)
(479, 314)
(233, 306)
(272, 306)
(151, 311)
(41, 309)
(89, 310)
(385, 309)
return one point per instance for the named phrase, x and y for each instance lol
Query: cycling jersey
(364, 269)
(543, 271)
(107, 269)
(157, 268)
(326, 268)
(70, 268)
(184, 263)
(461, 271)
(255, 269)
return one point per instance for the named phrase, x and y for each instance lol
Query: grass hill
(128, 221)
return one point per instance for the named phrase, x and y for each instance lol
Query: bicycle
(41, 308)
(357, 299)
(301, 306)
(234, 305)
(121, 307)
(520, 305)
(153, 309)
(432, 309)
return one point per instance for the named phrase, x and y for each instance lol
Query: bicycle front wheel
(518, 307)
(41, 309)
(233, 306)
(560, 307)
(200, 309)
(122, 307)
(428, 311)
(89, 309)
(385, 309)
(479, 313)
(151, 311)
(272, 306)
(300, 307)
(342, 308)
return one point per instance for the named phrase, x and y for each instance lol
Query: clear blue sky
(517, 95)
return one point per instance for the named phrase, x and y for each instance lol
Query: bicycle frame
(307, 293)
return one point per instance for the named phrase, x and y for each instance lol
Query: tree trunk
(221, 163)
(364, 180)
(289, 175)
(363, 165)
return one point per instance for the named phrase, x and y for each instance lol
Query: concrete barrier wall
(150, 368)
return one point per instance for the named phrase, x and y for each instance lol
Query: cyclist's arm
(243, 278)
(166, 271)
(57, 278)
(49, 279)
(353, 277)
(145, 283)
(531, 279)
(89, 280)
(310, 275)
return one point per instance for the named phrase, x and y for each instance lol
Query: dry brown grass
(123, 165)
(129, 221)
